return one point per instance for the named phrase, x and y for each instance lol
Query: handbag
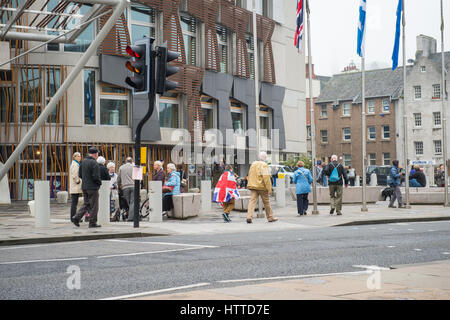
(167, 189)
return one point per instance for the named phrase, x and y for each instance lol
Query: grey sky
(334, 30)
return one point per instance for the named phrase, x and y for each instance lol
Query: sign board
(137, 173)
(143, 154)
(423, 162)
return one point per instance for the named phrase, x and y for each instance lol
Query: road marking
(49, 260)
(431, 230)
(45, 245)
(417, 249)
(391, 246)
(445, 252)
(165, 243)
(374, 268)
(146, 252)
(410, 229)
(294, 277)
(157, 291)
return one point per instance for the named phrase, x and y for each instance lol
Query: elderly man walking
(90, 174)
(335, 171)
(126, 184)
(260, 185)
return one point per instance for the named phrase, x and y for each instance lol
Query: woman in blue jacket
(302, 179)
(173, 182)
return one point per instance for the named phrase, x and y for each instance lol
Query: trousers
(302, 203)
(90, 205)
(228, 206)
(254, 194)
(335, 197)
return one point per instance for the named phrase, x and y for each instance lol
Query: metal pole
(311, 112)
(256, 65)
(363, 129)
(65, 85)
(405, 117)
(444, 116)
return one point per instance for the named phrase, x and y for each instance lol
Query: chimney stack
(425, 46)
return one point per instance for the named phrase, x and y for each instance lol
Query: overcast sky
(334, 31)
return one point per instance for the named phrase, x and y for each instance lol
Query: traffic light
(163, 70)
(139, 65)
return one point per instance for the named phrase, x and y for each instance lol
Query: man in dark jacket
(335, 186)
(417, 179)
(90, 174)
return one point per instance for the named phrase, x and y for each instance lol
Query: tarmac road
(122, 267)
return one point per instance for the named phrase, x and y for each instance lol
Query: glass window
(308, 129)
(208, 108)
(370, 106)
(436, 91)
(89, 96)
(53, 82)
(169, 113)
(324, 136)
(222, 38)
(30, 94)
(372, 159)
(386, 158)
(423, 69)
(251, 54)
(418, 145)
(417, 92)
(189, 27)
(346, 109)
(347, 160)
(113, 112)
(347, 134)
(85, 38)
(437, 147)
(437, 118)
(238, 122)
(323, 111)
(386, 132)
(142, 20)
(417, 119)
(7, 103)
(385, 105)
(372, 133)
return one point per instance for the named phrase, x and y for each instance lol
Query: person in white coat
(75, 183)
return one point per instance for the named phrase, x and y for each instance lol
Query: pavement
(17, 226)
(426, 281)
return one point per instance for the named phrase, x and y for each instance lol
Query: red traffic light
(134, 51)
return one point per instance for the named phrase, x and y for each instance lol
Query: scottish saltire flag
(397, 36)
(361, 29)
(226, 188)
(299, 30)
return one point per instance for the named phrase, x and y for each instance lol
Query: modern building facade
(215, 92)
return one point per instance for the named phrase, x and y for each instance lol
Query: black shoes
(339, 213)
(226, 217)
(94, 225)
(249, 221)
(75, 222)
(332, 211)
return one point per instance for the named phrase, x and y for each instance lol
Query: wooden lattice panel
(117, 39)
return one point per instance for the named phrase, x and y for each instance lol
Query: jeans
(167, 203)
(325, 181)
(90, 205)
(414, 183)
(302, 203)
(396, 195)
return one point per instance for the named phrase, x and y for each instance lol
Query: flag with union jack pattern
(299, 30)
(226, 188)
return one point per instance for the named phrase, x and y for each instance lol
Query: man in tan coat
(260, 185)
(75, 183)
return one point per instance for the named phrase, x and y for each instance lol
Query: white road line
(391, 246)
(417, 249)
(431, 230)
(371, 267)
(410, 229)
(49, 260)
(157, 291)
(45, 245)
(165, 243)
(445, 252)
(296, 276)
(146, 252)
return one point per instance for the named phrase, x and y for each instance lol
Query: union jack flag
(226, 188)
(299, 30)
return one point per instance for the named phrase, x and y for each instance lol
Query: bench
(350, 194)
(427, 195)
(186, 205)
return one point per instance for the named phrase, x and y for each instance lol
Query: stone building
(216, 87)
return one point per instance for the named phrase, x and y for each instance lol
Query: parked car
(382, 173)
(287, 171)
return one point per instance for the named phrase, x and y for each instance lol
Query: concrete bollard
(280, 193)
(62, 197)
(357, 184)
(103, 203)
(373, 179)
(4, 189)
(31, 207)
(206, 195)
(41, 204)
(155, 201)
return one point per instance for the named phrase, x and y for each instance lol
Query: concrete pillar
(206, 195)
(280, 192)
(42, 203)
(4, 189)
(373, 179)
(155, 201)
(103, 203)
(357, 184)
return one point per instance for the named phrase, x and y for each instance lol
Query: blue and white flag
(361, 29)
(299, 29)
(397, 36)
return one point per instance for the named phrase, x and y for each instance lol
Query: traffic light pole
(137, 142)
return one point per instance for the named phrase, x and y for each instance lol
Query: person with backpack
(335, 171)
(394, 180)
(302, 179)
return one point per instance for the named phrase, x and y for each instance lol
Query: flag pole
(444, 116)
(405, 117)
(363, 118)
(311, 112)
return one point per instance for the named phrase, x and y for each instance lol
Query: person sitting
(417, 179)
(170, 188)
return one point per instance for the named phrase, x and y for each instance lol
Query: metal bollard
(104, 203)
(373, 179)
(206, 195)
(155, 201)
(280, 193)
(42, 204)
(357, 184)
